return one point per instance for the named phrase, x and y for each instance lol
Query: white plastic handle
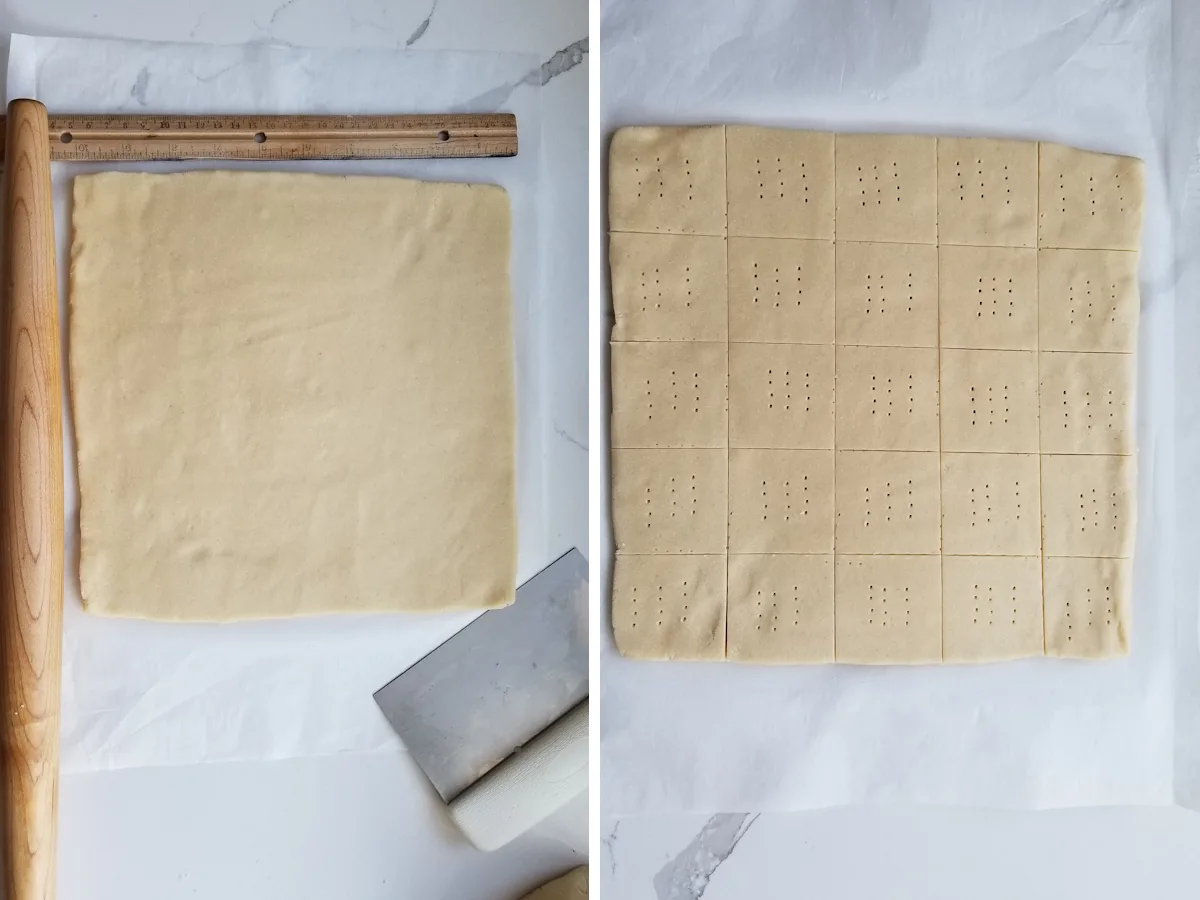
(538, 780)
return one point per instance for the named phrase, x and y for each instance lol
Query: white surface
(1034, 733)
(349, 825)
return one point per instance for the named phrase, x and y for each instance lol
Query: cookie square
(669, 607)
(780, 290)
(887, 294)
(668, 287)
(1089, 201)
(987, 192)
(667, 180)
(781, 609)
(1087, 607)
(886, 188)
(669, 501)
(888, 609)
(991, 504)
(1088, 300)
(886, 502)
(1088, 505)
(781, 501)
(886, 398)
(989, 297)
(991, 608)
(669, 394)
(989, 401)
(780, 182)
(1087, 402)
(781, 395)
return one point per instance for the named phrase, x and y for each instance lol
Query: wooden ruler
(125, 138)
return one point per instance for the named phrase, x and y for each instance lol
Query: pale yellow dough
(572, 886)
(293, 394)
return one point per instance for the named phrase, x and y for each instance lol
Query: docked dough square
(989, 297)
(780, 395)
(781, 609)
(780, 182)
(1089, 200)
(887, 294)
(1088, 300)
(888, 609)
(1088, 505)
(669, 501)
(991, 608)
(987, 192)
(667, 180)
(781, 501)
(669, 607)
(990, 504)
(886, 398)
(887, 502)
(1086, 402)
(668, 287)
(886, 188)
(989, 401)
(780, 290)
(1087, 607)
(669, 394)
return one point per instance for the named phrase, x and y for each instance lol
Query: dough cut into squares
(669, 501)
(667, 180)
(668, 287)
(780, 290)
(669, 607)
(987, 192)
(1086, 401)
(669, 394)
(1088, 300)
(886, 502)
(781, 395)
(781, 501)
(781, 609)
(991, 608)
(780, 182)
(886, 188)
(888, 609)
(1088, 505)
(990, 504)
(989, 401)
(887, 294)
(886, 398)
(1087, 607)
(1089, 200)
(989, 297)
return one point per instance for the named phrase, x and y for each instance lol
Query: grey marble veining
(687, 875)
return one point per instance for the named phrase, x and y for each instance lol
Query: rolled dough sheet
(293, 394)
(572, 886)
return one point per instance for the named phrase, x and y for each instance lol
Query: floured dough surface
(293, 394)
(912, 441)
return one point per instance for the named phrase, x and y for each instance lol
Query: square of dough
(1088, 505)
(669, 501)
(669, 394)
(888, 609)
(780, 395)
(1089, 200)
(991, 608)
(886, 502)
(667, 179)
(780, 182)
(293, 394)
(1087, 606)
(781, 609)
(990, 401)
(1088, 300)
(1086, 401)
(990, 504)
(887, 398)
(989, 297)
(780, 290)
(887, 294)
(669, 607)
(987, 192)
(886, 188)
(668, 287)
(780, 501)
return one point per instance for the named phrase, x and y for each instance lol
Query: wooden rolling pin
(31, 515)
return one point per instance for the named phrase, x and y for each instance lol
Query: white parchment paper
(1034, 733)
(152, 694)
